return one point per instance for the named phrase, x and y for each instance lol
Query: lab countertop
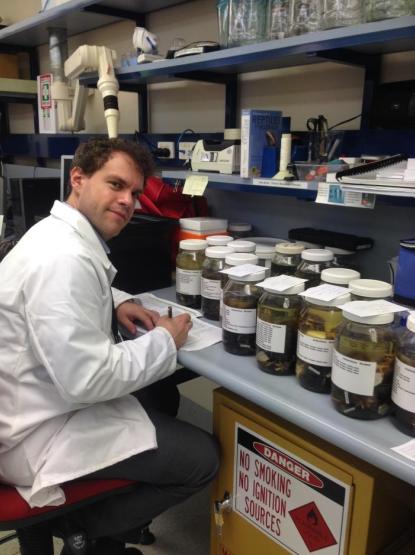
(370, 441)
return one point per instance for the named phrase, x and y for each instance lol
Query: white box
(203, 224)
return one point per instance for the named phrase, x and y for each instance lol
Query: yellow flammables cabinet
(283, 490)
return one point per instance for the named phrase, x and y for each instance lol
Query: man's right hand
(178, 327)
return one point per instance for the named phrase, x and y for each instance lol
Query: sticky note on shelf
(195, 185)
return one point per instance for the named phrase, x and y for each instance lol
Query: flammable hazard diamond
(312, 527)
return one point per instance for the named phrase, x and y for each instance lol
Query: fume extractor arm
(71, 110)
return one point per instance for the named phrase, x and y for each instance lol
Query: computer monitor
(32, 199)
(66, 162)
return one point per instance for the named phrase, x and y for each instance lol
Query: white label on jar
(403, 390)
(352, 375)
(315, 351)
(239, 320)
(211, 289)
(188, 281)
(270, 337)
(221, 304)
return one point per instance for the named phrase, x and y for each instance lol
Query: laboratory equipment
(246, 21)
(340, 13)
(217, 156)
(403, 388)
(146, 44)
(305, 16)
(278, 15)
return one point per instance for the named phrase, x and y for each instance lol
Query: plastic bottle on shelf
(277, 325)
(286, 259)
(240, 300)
(363, 363)
(403, 388)
(189, 264)
(313, 262)
(211, 283)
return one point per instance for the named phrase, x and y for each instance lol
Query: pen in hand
(170, 312)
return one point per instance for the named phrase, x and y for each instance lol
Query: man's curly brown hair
(94, 153)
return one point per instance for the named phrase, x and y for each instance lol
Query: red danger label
(312, 527)
(293, 467)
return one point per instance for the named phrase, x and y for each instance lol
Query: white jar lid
(317, 255)
(339, 276)
(193, 244)
(410, 323)
(338, 301)
(256, 277)
(243, 246)
(262, 249)
(218, 252)
(294, 290)
(289, 248)
(239, 226)
(241, 258)
(218, 240)
(371, 320)
(372, 288)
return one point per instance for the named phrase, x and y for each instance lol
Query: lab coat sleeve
(68, 310)
(120, 296)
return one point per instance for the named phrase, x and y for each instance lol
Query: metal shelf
(78, 16)
(356, 44)
(302, 190)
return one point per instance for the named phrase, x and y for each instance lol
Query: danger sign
(297, 505)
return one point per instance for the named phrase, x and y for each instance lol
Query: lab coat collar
(80, 223)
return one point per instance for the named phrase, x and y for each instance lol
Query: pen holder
(270, 161)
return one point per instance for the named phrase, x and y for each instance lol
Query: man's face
(107, 198)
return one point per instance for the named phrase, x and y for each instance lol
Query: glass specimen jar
(339, 276)
(369, 289)
(313, 262)
(219, 240)
(211, 283)
(286, 259)
(403, 388)
(189, 264)
(363, 363)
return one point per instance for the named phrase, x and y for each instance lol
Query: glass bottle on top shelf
(286, 259)
(277, 324)
(189, 264)
(246, 21)
(385, 9)
(313, 262)
(278, 16)
(305, 16)
(222, 8)
(211, 283)
(363, 363)
(317, 329)
(403, 388)
(240, 300)
(341, 13)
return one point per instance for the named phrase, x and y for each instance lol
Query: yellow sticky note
(195, 185)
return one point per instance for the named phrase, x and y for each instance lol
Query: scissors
(317, 143)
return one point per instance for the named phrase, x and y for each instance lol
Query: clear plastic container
(219, 240)
(363, 362)
(240, 300)
(278, 18)
(317, 330)
(286, 259)
(276, 334)
(240, 230)
(305, 16)
(369, 289)
(386, 9)
(222, 7)
(339, 276)
(341, 13)
(313, 262)
(246, 21)
(403, 388)
(211, 283)
(189, 264)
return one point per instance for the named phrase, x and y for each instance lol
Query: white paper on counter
(202, 335)
(406, 449)
(150, 301)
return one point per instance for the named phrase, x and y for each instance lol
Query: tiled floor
(183, 530)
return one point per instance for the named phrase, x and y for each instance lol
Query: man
(65, 408)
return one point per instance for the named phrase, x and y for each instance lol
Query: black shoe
(108, 546)
(146, 536)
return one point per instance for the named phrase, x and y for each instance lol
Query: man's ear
(76, 177)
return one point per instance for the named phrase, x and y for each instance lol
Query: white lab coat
(64, 405)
